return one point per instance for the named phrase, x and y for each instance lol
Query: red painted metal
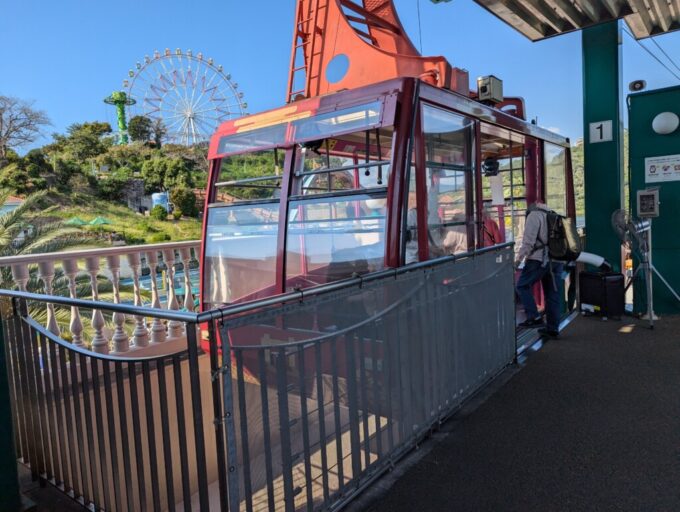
(397, 185)
(370, 36)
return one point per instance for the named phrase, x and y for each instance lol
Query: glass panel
(240, 253)
(354, 161)
(448, 154)
(238, 178)
(359, 117)
(261, 138)
(411, 255)
(503, 185)
(555, 180)
(333, 238)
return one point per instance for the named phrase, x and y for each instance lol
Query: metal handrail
(166, 314)
(6, 261)
(221, 313)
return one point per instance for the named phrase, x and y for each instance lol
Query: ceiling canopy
(539, 19)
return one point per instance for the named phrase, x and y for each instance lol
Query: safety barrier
(289, 403)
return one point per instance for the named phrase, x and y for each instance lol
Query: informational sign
(659, 169)
(497, 197)
(601, 131)
(648, 202)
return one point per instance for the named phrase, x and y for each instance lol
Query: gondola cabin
(362, 180)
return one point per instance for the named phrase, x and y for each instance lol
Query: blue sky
(68, 55)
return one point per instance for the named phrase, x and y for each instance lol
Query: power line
(651, 53)
(420, 29)
(664, 52)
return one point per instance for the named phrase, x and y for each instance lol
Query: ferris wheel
(189, 94)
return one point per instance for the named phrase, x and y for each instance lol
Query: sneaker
(533, 322)
(548, 333)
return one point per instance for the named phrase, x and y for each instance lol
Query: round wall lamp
(665, 123)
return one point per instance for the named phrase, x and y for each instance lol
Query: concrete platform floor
(589, 422)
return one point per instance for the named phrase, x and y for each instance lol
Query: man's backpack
(564, 243)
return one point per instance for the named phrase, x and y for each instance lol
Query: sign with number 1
(601, 131)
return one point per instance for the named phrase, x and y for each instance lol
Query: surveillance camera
(637, 85)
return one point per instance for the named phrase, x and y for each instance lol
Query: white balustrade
(121, 342)
(158, 334)
(99, 341)
(175, 328)
(70, 267)
(140, 336)
(147, 333)
(185, 255)
(46, 274)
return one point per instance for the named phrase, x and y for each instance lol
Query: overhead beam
(571, 13)
(548, 14)
(643, 13)
(662, 12)
(529, 18)
(591, 11)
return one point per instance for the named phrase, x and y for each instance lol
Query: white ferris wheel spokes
(190, 95)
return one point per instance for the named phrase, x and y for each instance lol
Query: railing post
(99, 342)
(70, 267)
(140, 336)
(20, 275)
(46, 273)
(121, 342)
(185, 255)
(9, 480)
(175, 328)
(157, 327)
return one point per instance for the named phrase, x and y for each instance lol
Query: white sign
(601, 131)
(497, 196)
(662, 168)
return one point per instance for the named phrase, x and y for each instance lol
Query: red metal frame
(404, 97)
(379, 50)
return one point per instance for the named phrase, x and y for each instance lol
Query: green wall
(644, 143)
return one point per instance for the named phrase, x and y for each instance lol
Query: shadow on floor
(591, 422)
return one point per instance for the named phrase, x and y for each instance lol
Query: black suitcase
(602, 293)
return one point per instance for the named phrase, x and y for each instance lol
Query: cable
(652, 54)
(420, 28)
(664, 52)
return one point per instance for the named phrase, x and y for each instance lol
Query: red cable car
(353, 177)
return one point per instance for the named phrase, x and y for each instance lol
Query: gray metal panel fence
(322, 395)
(313, 394)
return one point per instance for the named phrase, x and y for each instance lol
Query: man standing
(539, 267)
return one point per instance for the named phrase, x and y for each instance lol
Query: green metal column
(603, 137)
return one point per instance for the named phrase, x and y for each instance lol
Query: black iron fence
(295, 402)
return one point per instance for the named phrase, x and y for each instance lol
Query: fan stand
(647, 266)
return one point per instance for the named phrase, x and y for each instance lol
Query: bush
(159, 237)
(177, 214)
(158, 213)
(184, 200)
(134, 240)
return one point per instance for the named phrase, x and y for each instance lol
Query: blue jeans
(533, 272)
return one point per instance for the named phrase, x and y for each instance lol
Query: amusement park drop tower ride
(120, 100)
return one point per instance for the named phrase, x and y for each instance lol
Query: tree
(162, 173)
(83, 140)
(26, 174)
(20, 124)
(159, 131)
(184, 200)
(140, 128)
